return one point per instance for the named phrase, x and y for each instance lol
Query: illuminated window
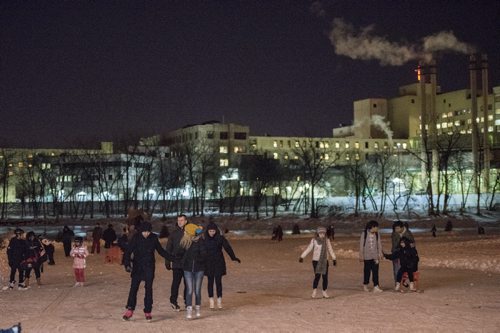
(356, 157)
(281, 143)
(327, 145)
(20, 164)
(297, 145)
(438, 126)
(490, 117)
(347, 157)
(457, 122)
(375, 145)
(327, 157)
(275, 144)
(356, 145)
(497, 111)
(346, 145)
(322, 144)
(450, 114)
(490, 128)
(276, 156)
(444, 125)
(224, 162)
(405, 145)
(223, 149)
(337, 145)
(285, 156)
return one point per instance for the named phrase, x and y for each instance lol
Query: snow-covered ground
(270, 292)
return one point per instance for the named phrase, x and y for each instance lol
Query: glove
(128, 269)
(168, 266)
(301, 259)
(238, 260)
(334, 262)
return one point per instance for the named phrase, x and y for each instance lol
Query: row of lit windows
(236, 150)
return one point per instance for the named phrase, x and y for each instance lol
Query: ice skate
(189, 312)
(325, 295)
(313, 295)
(377, 289)
(219, 302)
(365, 288)
(397, 287)
(412, 287)
(175, 307)
(128, 314)
(149, 317)
(212, 303)
(197, 309)
(22, 286)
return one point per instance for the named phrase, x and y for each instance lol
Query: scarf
(323, 257)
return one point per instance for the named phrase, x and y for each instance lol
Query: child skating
(320, 247)
(79, 252)
(408, 258)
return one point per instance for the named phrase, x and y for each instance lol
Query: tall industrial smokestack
(475, 134)
(486, 143)
(433, 127)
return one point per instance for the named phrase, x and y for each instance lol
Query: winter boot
(189, 312)
(325, 295)
(22, 286)
(12, 285)
(128, 314)
(313, 295)
(197, 310)
(149, 317)
(365, 288)
(377, 289)
(398, 286)
(212, 303)
(219, 302)
(175, 307)
(412, 287)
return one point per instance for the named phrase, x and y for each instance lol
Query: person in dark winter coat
(109, 236)
(16, 253)
(194, 251)
(49, 250)
(34, 251)
(215, 264)
(408, 259)
(140, 260)
(175, 264)
(123, 242)
(96, 239)
(67, 239)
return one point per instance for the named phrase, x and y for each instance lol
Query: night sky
(76, 72)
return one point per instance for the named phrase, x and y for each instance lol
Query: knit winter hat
(212, 226)
(193, 229)
(321, 229)
(146, 226)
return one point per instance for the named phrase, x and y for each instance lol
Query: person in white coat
(321, 247)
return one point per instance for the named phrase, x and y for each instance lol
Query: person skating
(36, 253)
(79, 252)
(139, 260)
(370, 254)
(194, 251)
(320, 246)
(67, 239)
(172, 247)
(96, 239)
(16, 253)
(216, 264)
(109, 236)
(407, 255)
(49, 250)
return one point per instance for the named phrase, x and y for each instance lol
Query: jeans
(395, 269)
(370, 267)
(177, 276)
(317, 276)
(218, 285)
(193, 281)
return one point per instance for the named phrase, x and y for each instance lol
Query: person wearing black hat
(34, 248)
(139, 260)
(67, 238)
(216, 265)
(109, 236)
(16, 253)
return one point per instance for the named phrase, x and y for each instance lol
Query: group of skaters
(192, 252)
(26, 254)
(403, 255)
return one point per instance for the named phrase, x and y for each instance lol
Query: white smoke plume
(365, 45)
(378, 121)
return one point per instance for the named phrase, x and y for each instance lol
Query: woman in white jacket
(320, 247)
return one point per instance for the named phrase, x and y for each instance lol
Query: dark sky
(73, 72)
